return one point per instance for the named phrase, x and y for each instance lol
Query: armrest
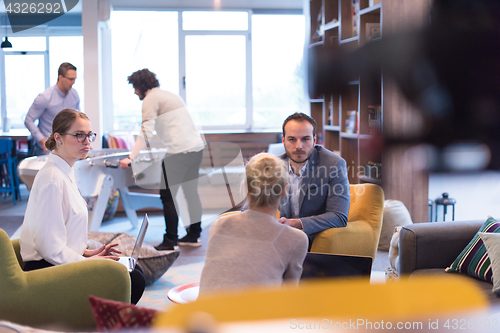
(58, 296)
(357, 238)
(433, 244)
(17, 249)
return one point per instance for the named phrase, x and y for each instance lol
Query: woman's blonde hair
(266, 180)
(62, 123)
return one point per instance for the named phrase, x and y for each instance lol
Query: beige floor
(156, 230)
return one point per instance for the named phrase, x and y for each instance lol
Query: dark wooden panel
(404, 14)
(243, 137)
(349, 149)
(227, 145)
(403, 181)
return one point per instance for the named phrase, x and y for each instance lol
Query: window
(67, 49)
(234, 69)
(30, 67)
(152, 42)
(25, 74)
(215, 79)
(278, 84)
(195, 20)
(28, 44)
(24, 70)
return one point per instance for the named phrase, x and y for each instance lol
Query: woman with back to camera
(252, 248)
(54, 231)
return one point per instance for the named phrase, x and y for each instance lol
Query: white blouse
(56, 219)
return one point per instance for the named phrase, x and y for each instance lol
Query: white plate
(184, 293)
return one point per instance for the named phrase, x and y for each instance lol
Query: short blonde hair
(266, 180)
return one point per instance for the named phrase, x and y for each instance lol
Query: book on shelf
(351, 122)
(320, 140)
(374, 119)
(316, 27)
(355, 12)
(330, 113)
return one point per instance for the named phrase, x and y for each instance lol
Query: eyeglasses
(70, 78)
(80, 137)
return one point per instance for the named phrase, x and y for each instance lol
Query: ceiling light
(6, 43)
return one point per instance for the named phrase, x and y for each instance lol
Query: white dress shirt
(56, 219)
(294, 182)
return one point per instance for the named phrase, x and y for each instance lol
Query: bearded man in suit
(318, 196)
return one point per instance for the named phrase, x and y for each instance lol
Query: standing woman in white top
(54, 230)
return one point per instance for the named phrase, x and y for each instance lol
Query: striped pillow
(474, 259)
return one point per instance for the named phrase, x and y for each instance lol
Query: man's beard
(299, 162)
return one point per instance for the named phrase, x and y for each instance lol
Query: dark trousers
(138, 282)
(181, 170)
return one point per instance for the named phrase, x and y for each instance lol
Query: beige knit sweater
(250, 249)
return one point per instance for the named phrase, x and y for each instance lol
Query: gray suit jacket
(324, 195)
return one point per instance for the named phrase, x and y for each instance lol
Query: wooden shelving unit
(333, 25)
(346, 25)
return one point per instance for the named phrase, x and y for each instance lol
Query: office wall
(477, 194)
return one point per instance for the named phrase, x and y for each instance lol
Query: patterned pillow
(474, 259)
(492, 243)
(153, 263)
(113, 315)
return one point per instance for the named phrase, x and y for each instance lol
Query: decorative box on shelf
(372, 31)
(373, 170)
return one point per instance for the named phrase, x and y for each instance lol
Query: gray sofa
(428, 248)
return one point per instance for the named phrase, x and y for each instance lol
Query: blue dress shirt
(45, 107)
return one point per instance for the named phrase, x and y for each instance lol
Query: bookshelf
(350, 123)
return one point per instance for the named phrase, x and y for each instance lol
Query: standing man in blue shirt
(48, 104)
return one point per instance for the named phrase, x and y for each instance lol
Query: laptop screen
(140, 238)
(320, 265)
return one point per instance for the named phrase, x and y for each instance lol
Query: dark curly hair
(143, 80)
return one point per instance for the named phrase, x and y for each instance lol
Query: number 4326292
(34, 8)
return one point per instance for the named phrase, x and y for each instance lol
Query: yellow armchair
(56, 297)
(361, 235)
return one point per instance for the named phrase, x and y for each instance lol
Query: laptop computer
(131, 261)
(321, 265)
